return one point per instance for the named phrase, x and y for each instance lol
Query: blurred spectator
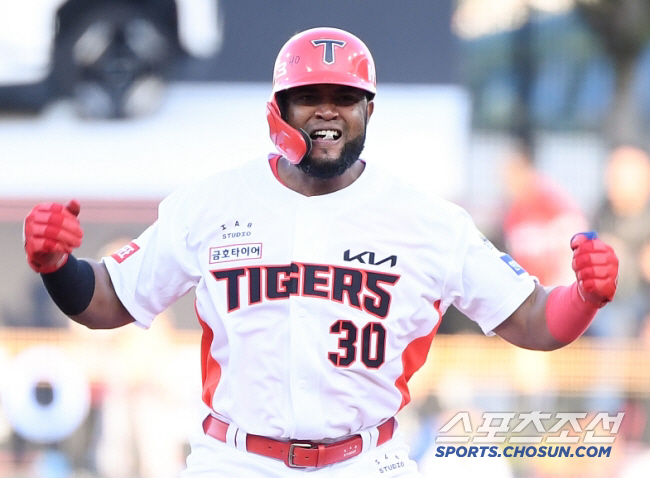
(623, 220)
(143, 383)
(41, 312)
(540, 219)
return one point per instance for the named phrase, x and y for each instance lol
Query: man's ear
(370, 107)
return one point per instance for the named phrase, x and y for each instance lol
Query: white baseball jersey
(316, 310)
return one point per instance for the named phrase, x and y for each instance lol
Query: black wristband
(72, 286)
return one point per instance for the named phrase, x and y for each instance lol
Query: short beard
(332, 169)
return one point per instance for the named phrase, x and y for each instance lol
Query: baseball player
(320, 282)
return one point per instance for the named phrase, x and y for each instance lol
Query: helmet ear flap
(293, 143)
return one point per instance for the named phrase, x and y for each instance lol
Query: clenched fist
(596, 267)
(51, 232)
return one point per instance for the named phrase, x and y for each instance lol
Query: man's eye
(348, 99)
(306, 98)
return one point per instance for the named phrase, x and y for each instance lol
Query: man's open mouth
(325, 134)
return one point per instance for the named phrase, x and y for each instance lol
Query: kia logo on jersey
(370, 258)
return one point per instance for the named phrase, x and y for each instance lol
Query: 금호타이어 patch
(235, 252)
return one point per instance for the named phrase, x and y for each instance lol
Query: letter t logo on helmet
(316, 56)
(328, 52)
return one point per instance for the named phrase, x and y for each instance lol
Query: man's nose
(327, 110)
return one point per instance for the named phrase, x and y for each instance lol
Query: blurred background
(531, 114)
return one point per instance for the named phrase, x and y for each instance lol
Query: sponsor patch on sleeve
(122, 254)
(235, 252)
(512, 264)
(486, 242)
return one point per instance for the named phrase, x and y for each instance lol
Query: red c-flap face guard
(294, 144)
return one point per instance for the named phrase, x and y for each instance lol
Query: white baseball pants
(211, 458)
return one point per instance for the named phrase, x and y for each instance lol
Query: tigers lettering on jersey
(361, 289)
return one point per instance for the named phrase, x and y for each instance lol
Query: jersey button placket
(305, 334)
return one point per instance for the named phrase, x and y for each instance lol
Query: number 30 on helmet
(316, 56)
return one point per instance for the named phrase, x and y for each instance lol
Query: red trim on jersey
(414, 357)
(210, 368)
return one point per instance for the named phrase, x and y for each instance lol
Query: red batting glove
(596, 267)
(51, 232)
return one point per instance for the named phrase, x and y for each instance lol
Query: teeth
(326, 134)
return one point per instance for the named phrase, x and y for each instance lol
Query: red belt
(298, 453)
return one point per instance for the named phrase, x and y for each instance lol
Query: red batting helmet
(316, 56)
